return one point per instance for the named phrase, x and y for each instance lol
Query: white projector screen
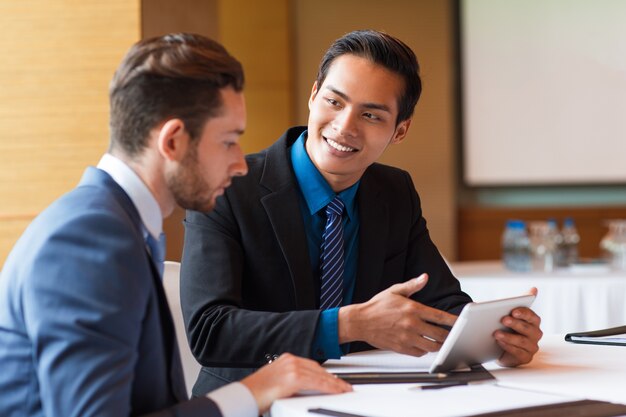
(544, 91)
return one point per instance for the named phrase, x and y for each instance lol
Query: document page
(380, 361)
(613, 339)
(386, 401)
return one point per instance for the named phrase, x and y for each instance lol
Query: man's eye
(332, 102)
(370, 116)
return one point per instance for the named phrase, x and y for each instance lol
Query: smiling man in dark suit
(85, 328)
(320, 250)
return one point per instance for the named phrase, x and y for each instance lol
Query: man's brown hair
(172, 76)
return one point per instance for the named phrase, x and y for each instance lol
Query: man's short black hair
(384, 50)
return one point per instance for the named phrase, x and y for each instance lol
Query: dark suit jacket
(247, 286)
(84, 322)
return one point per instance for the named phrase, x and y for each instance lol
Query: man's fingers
(435, 333)
(410, 350)
(419, 345)
(525, 322)
(435, 316)
(409, 287)
(309, 375)
(521, 345)
(513, 355)
(288, 375)
(329, 384)
(527, 315)
(429, 345)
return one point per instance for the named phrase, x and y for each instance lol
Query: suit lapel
(283, 210)
(373, 235)
(174, 365)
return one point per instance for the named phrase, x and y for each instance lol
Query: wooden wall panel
(259, 34)
(159, 17)
(480, 229)
(58, 59)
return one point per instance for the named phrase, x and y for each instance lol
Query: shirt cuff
(326, 341)
(235, 400)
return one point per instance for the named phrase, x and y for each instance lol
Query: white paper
(395, 401)
(380, 361)
(616, 338)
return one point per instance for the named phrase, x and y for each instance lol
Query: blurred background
(474, 158)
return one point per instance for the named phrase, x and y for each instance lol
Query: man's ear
(401, 131)
(313, 94)
(172, 140)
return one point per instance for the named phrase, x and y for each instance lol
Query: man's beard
(188, 187)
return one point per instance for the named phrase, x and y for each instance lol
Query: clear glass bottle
(613, 244)
(557, 241)
(516, 246)
(543, 246)
(571, 238)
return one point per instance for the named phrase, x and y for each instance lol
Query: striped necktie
(331, 260)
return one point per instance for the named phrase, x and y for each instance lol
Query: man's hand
(520, 346)
(286, 376)
(391, 320)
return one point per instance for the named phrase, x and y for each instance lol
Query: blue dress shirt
(315, 195)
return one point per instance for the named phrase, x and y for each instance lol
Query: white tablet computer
(471, 339)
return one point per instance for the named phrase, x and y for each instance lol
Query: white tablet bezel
(471, 339)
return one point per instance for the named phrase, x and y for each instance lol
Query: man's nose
(240, 167)
(345, 123)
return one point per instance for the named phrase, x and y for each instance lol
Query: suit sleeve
(237, 302)
(83, 307)
(196, 407)
(443, 290)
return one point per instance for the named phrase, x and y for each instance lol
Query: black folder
(600, 337)
(474, 374)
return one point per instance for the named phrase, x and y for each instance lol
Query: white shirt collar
(140, 195)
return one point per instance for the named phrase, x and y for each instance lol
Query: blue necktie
(332, 263)
(157, 251)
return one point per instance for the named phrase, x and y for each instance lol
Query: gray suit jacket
(85, 328)
(247, 286)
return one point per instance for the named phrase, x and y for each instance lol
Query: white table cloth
(567, 302)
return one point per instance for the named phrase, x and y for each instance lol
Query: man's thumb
(411, 286)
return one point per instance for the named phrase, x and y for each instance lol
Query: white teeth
(338, 146)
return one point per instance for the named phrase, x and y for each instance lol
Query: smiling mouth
(338, 146)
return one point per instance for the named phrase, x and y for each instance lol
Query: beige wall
(426, 26)
(57, 60)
